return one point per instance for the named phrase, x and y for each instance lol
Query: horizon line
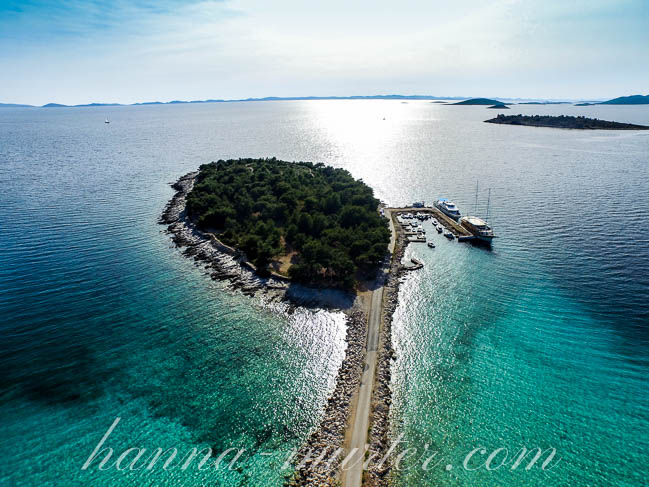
(299, 98)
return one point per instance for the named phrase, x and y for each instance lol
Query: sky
(74, 51)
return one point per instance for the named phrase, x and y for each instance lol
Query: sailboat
(477, 226)
(107, 121)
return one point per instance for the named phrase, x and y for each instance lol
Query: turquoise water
(541, 342)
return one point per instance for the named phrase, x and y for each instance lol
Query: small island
(479, 101)
(313, 223)
(620, 100)
(564, 122)
(500, 106)
(628, 100)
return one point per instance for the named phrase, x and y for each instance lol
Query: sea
(115, 346)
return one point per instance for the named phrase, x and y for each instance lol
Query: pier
(454, 227)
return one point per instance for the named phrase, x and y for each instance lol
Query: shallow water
(540, 342)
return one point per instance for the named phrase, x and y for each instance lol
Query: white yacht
(448, 208)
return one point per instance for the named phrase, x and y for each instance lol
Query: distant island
(564, 122)
(501, 106)
(316, 224)
(628, 100)
(621, 100)
(479, 101)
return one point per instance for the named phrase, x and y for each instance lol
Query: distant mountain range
(268, 98)
(623, 100)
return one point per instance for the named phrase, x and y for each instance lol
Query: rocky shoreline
(205, 250)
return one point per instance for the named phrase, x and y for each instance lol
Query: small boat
(435, 222)
(439, 229)
(431, 245)
(449, 235)
(448, 208)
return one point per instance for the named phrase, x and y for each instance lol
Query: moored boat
(449, 235)
(448, 208)
(478, 228)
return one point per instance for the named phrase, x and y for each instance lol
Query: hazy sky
(75, 51)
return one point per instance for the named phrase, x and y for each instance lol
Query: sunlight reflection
(366, 132)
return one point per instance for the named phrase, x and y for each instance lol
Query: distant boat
(449, 235)
(439, 229)
(431, 245)
(107, 121)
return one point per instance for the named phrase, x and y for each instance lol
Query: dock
(454, 227)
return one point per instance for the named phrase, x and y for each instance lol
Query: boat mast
(475, 207)
(488, 200)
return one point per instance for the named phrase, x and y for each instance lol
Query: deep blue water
(542, 341)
